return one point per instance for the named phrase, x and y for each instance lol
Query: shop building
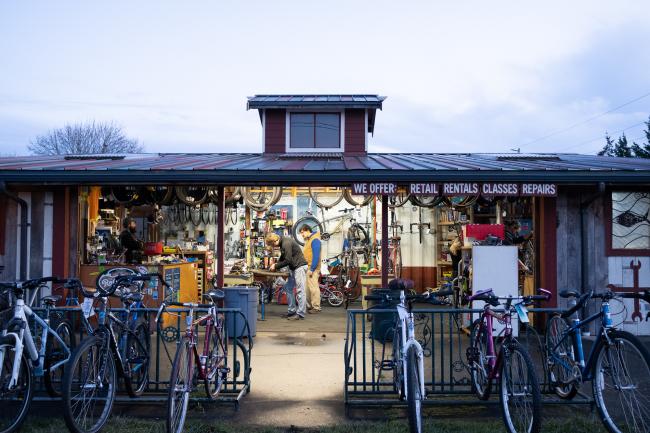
(574, 221)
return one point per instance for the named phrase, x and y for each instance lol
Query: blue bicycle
(618, 364)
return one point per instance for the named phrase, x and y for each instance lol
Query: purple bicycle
(511, 367)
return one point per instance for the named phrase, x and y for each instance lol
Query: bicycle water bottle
(608, 317)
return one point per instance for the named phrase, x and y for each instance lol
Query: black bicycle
(115, 348)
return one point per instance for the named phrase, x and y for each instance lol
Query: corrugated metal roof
(286, 101)
(252, 168)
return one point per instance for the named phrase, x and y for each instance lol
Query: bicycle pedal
(387, 364)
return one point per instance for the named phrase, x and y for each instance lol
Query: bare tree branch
(84, 139)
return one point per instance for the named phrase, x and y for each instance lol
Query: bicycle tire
(335, 298)
(631, 411)
(353, 271)
(325, 204)
(531, 341)
(478, 361)
(529, 423)
(398, 362)
(459, 201)
(98, 347)
(311, 221)
(136, 360)
(558, 379)
(217, 361)
(356, 200)
(192, 195)
(413, 392)
(180, 386)
(357, 233)
(256, 204)
(399, 200)
(53, 354)
(15, 409)
(160, 194)
(428, 201)
(125, 194)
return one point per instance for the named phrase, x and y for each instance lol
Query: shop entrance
(429, 238)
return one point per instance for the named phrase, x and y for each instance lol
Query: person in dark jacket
(132, 246)
(292, 257)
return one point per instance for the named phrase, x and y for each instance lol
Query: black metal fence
(162, 348)
(444, 336)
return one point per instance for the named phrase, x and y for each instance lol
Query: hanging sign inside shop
(379, 188)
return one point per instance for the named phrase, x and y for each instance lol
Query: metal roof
(292, 169)
(287, 101)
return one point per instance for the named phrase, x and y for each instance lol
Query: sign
(424, 189)
(381, 188)
(539, 189)
(460, 188)
(500, 189)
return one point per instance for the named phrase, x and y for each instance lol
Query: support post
(220, 235)
(384, 241)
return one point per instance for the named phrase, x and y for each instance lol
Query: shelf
(444, 263)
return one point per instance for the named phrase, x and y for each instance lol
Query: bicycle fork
(408, 335)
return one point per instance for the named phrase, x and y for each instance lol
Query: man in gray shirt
(292, 257)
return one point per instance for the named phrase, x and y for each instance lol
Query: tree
(622, 148)
(84, 139)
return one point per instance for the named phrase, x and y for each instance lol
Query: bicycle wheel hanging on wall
(192, 195)
(398, 200)
(125, 194)
(261, 198)
(160, 195)
(356, 200)
(310, 221)
(460, 201)
(428, 201)
(326, 197)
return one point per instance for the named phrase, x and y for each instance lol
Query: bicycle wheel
(180, 387)
(398, 200)
(413, 392)
(309, 221)
(356, 200)
(136, 360)
(335, 298)
(15, 402)
(160, 194)
(125, 194)
(428, 201)
(561, 358)
(520, 396)
(55, 353)
(89, 385)
(531, 341)
(217, 362)
(397, 265)
(398, 362)
(477, 358)
(261, 199)
(328, 198)
(621, 383)
(192, 195)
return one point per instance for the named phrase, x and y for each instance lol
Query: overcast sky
(465, 76)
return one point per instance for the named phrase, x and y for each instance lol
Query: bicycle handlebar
(125, 280)
(33, 283)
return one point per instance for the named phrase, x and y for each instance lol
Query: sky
(465, 76)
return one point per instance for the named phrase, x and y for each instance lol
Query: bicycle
(328, 285)
(91, 377)
(520, 395)
(618, 364)
(356, 232)
(407, 362)
(188, 367)
(20, 358)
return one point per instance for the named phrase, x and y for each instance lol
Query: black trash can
(246, 299)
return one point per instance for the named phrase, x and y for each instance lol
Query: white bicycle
(407, 360)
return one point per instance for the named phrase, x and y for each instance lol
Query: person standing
(133, 247)
(291, 256)
(312, 252)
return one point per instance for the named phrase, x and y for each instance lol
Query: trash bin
(383, 324)
(246, 299)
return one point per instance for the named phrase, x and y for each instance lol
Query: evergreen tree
(621, 148)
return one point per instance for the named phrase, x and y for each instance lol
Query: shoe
(288, 315)
(310, 308)
(296, 317)
(313, 311)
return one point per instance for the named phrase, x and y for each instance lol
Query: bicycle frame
(494, 359)
(23, 339)
(408, 337)
(576, 341)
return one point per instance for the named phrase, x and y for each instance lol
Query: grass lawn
(138, 425)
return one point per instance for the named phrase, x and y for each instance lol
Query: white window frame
(287, 142)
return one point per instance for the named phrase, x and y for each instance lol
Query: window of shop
(628, 226)
(315, 130)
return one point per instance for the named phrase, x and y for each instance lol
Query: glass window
(630, 224)
(315, 130)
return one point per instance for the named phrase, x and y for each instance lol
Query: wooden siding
(546, 231)
(355, 132)
(422, 276)
(569, 254)
(275, 131)
(36, 230)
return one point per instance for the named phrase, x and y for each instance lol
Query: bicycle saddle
(569, 293)
(51, 300)
(215, 295)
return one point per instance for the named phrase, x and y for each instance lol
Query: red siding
(61, 236)
(275, 131)
(546, 231)
(355, 131)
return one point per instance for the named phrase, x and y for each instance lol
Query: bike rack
(447, 381)
(234, 389)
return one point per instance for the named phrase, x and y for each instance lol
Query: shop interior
(432, 239)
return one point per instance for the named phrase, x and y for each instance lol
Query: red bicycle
(190, 366)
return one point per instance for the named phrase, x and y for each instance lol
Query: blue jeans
(288, 289)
